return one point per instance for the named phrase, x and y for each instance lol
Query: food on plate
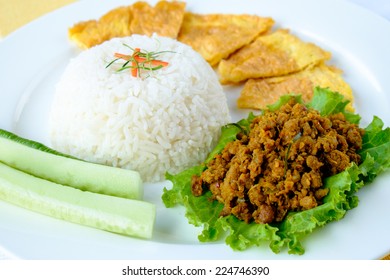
(164, 18)
(38, 178)
(258, 93)
(41, 161)
(153, 122)
(279, 165)
(244, 48)
(341, 187)
(275, 54)
(216, 36)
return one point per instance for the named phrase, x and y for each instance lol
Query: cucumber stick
(114, 214)
(38, 160)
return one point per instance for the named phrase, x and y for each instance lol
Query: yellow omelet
(165, 19)
(275, 54)
(216, 36)
(115, 23)
(258, 93)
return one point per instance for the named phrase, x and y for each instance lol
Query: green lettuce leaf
(328, 102)
(204, 212)
(376, 143)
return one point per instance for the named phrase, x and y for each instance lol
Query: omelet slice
(165, 18)
(275, 54)
(115, 23)
(258, 93)
(216, 36)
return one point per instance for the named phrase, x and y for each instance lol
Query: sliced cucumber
(38, 160)
(114, 214)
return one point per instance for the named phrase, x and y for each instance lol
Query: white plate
(33, 58)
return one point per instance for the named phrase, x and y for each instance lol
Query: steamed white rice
(168, 120)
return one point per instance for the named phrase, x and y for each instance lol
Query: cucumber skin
(37, 159)
(32, 144)
(124, 216)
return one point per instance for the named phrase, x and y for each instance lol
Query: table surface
(16, 13)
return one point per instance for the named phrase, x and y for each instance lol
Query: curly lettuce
(204, 212)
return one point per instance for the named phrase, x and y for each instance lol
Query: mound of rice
(167, 120)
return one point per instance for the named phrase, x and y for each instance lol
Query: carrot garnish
(139, 61)
(134, 70)
(123, 56)
(152, 62)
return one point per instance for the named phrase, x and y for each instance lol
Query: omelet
(275, 54)
(115, 23)
(165, 19)
(216, 36)
(258, 93)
